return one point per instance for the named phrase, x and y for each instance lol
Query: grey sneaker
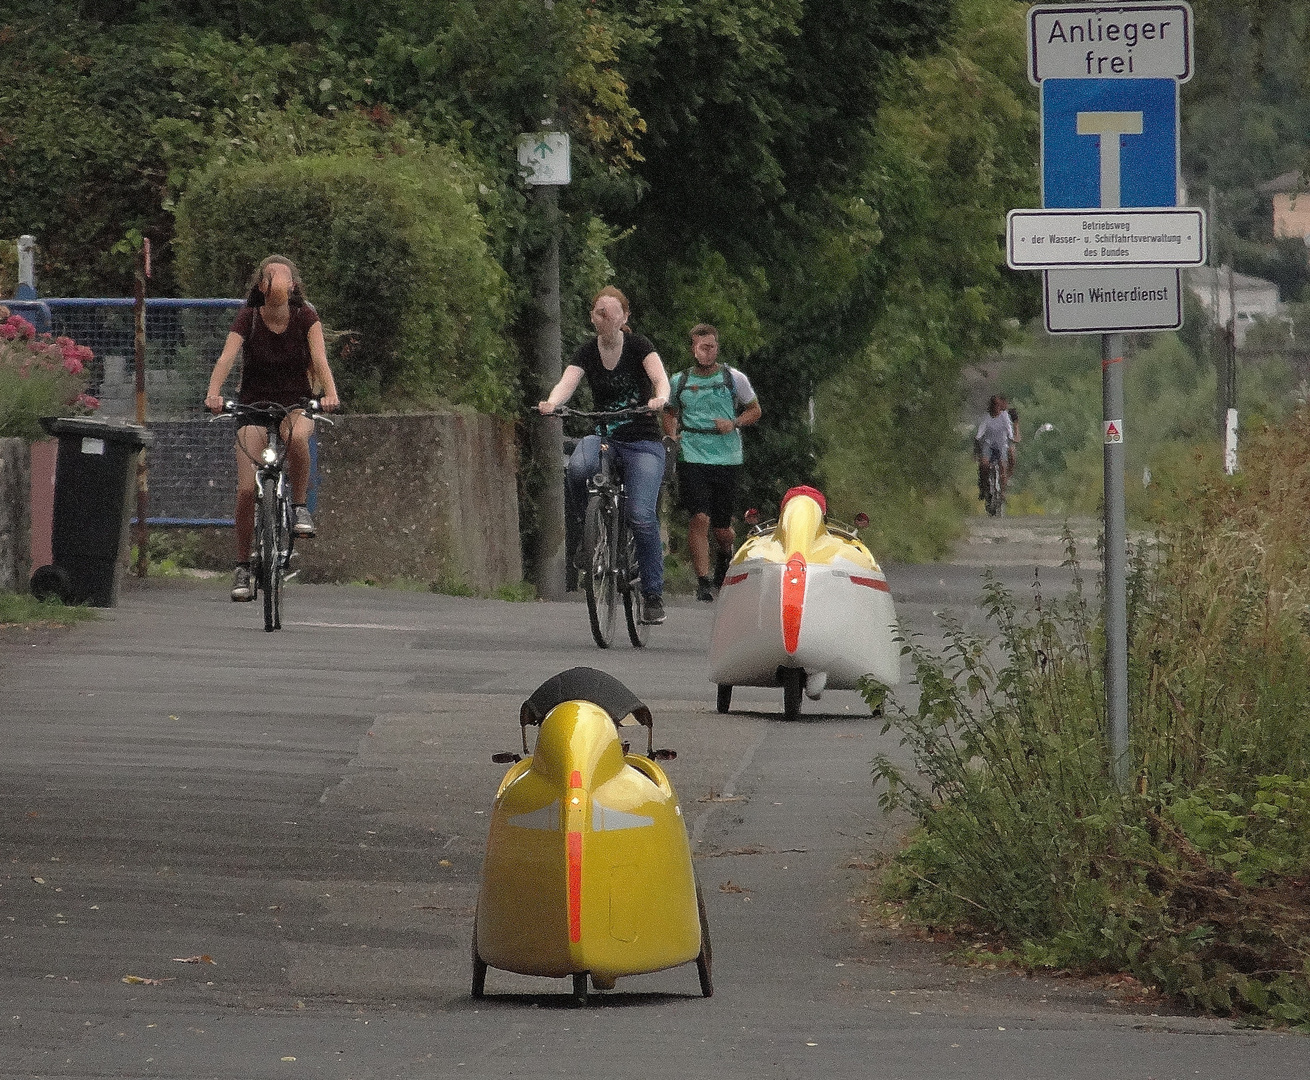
(304, 525)
(652, 610)
(242, 588)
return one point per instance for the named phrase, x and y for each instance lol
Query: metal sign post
(544, 158)
(1109, 78)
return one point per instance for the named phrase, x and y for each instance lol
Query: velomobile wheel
(580, 988)
(725, 697)
(793, 685)
(479, 966)
(705, 961)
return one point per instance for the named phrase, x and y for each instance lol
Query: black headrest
(583, 684)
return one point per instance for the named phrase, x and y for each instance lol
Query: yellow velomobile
(588, 868)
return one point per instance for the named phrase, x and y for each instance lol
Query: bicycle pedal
(289, 575)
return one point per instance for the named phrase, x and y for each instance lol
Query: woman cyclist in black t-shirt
(623, 370)
(280, 338)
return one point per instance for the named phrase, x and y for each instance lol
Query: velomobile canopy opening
(584, 684)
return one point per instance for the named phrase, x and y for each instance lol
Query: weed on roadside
(1197, 881)
(19, 609)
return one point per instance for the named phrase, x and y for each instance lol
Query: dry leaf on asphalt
(205, 959)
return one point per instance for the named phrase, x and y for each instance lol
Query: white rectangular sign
(1099, 41)
(544, 158)
(1107, 300)
(1048, 239)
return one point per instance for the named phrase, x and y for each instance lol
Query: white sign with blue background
(1101, 132)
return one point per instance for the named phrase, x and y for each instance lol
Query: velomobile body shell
(801, 596)
(588, 866)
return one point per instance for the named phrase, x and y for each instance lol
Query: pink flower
(72, 365)
(87, 401)
(8, 332)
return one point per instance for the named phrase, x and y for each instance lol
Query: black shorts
(708, 489)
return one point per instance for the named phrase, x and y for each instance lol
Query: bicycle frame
(613, 571)
(274, 534)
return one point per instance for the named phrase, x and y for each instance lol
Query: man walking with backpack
(709, 405)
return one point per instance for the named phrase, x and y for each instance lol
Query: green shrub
(1195, 880)
(391, 249)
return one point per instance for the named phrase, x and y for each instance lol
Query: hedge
(392, 249)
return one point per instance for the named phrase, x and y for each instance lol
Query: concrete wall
(15, 516)
(432, 497)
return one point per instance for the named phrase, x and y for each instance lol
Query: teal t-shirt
(704, 399)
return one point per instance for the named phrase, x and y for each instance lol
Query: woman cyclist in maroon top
(284, 360)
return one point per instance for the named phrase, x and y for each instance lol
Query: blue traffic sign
(1109, 142)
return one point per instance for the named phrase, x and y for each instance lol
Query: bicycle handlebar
(271, 411)
(617, 414)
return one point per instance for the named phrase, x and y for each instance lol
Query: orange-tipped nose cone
(793, 601)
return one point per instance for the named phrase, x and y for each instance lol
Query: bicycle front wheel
(270, 576)
(598, 575)
(285, 538)
(630, 583)
(995, 496)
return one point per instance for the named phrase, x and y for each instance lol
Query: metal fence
(192, 467)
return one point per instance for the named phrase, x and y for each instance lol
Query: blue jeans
(643, 471)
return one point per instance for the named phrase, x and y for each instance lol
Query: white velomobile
(804, 606)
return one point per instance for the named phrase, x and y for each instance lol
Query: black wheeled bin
(95, 473)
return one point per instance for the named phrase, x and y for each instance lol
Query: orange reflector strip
(793, 601)
(575, 780)
(872, 583)
(575, 886)
(735, 579)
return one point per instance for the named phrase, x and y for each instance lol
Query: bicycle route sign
(1108, 78)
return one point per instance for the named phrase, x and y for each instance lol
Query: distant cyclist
(991, 442)
(284, 356)
(624, 371)
(1017, 438)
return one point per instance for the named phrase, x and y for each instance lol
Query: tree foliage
(824, 181)
(391, 250)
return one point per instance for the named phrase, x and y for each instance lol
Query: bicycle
(275, 537)
(994, 497)
(608, 553)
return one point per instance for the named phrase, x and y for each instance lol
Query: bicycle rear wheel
(630, 584)
(266, 519)
(598, 575)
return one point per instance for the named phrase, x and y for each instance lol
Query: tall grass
(1198, 879)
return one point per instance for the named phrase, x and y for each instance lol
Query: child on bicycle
(283, 358)
(624, 371)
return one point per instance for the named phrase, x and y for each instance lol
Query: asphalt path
(308, 810)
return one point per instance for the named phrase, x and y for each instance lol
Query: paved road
(308, 809)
